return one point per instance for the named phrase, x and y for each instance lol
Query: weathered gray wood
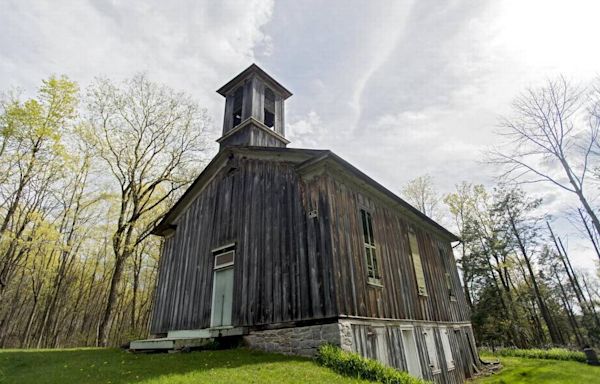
(398, 298)
(292, 267)
(260, 207)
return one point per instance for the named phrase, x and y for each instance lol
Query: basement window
(447, 349)
(238, 98)
(434, 363)
(370, 250)
(269, 108)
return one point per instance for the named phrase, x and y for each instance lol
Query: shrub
(353, 365)
(547, 354)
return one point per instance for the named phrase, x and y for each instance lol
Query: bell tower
(254, 110)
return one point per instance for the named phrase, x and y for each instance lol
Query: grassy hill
(233, 366)
(115, 366)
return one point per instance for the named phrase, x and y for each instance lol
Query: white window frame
(224, 250)
(416, 357)
(372, 262)
(434, 361)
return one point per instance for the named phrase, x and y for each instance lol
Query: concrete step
(190, 338)
(168, 344)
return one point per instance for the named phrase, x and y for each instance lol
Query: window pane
(369, 262)
(363, 215)
(269, 100)
(375, 266)
(370, 251)
(370, 223)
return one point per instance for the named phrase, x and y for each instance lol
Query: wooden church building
(292, 248)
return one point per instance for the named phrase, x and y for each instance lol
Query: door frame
(417, 358)
(223, 259)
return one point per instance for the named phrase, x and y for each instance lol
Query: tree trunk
(552, 329)
(105, 323)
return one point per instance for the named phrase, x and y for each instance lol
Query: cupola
(254, 110)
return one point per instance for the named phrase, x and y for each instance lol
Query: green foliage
(534, 371)
(353, 365)
(95, 366)
(546, 354)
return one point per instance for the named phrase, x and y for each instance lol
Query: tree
(550, 138)
(31, 161)
(421, 193)
(524, 231)
(152, 139)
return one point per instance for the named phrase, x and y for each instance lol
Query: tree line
(84, 179)
(517, 273)
(86, 175)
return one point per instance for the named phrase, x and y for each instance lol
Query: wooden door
(222, 297)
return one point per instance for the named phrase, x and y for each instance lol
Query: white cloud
(191, 45)
(397, 88)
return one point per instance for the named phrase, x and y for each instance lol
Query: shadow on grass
(116, 366)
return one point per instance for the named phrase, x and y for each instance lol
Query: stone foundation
(302, 341)
(346, 335)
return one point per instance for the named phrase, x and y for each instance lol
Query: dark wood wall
(398, 298)
(294, 266)
(283, 270)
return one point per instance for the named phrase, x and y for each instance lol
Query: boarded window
(269, 109)
(416, 258)
(446, 346)
(411, 353)
(434, 363)
(370, 251)
(447, 275)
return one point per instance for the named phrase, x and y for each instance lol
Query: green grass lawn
(524, 371)
(74, 366)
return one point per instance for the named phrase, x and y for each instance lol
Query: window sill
(436, 371)
(374, 282)
(453, 298)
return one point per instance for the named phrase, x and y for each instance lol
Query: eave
(332, 162)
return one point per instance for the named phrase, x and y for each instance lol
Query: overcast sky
(398, 88)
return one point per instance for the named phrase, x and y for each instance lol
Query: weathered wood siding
(283, 269)
(385, 343)
(398, 298)
(251, 135)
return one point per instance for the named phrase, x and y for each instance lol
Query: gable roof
(306, 159)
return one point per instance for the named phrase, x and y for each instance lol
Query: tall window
(370, 251)
(448, 276)
(238, 98)
(416, 257)
(269, 108)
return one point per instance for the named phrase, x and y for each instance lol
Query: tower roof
(254, 70)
